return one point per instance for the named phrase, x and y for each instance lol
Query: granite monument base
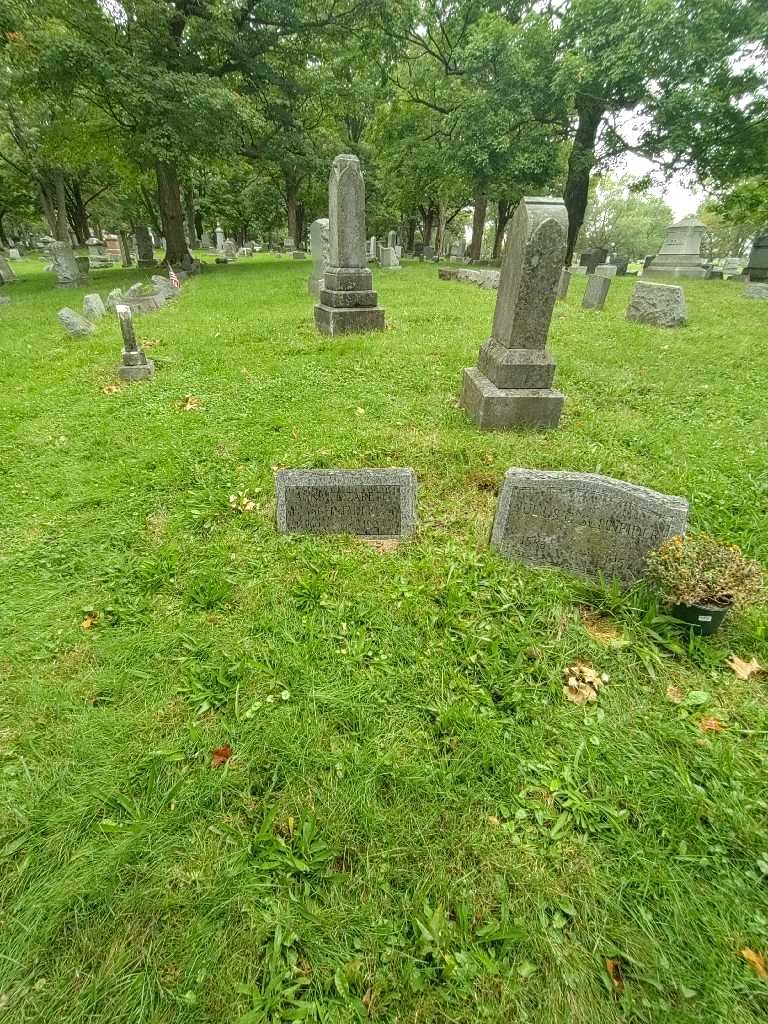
(493, 408)
(350, 320)
(141, 372)
(515, 368)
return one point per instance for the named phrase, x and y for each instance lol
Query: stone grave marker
(7, 276)
(134, 364)
(347, 300)
(662, 305)
(318, 244)
(14, 254)
(578, 271)
(144, 247)
(757, 267)
(65, 265)
(587, 524)
(388, 258)
(606, 270)
(592, 258)
(733, 266)
(511, 386)
(679, 256)
(563, 284)
(596, 292)
(375, 503)
(756, 290)
(93, 307)
(74, 324)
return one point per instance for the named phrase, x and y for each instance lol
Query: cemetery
(374, 646)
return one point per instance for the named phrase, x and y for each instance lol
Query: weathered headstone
(563, 284)
(596, 292)
(298, 254)
(587, 524)
(206, 241)
(14, 254)
(662, 305)
(125, 249)
(289, 244)
(376, 503)
(113, 248)
(318, 243)
(372, 247)
(448, 273)
(483, 278)
(606, 270)
(7, 276)
(144, 247)
(163, 287)
(757, 266)
(65, 265)
(219, 238)
(577, 271)
(347, 300)
(756, 290)
(114, 297)
(391, 239)
(93, 307)
(679, 255)
(74, 324)
(511, 386)
(620, 262)
(592, 258)
(428, 252)
(134, 364)
(733, 266)
(97, 258)
(230, 251)
(388, 258)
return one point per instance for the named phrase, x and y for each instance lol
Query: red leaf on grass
(221, 755)
(614, 973)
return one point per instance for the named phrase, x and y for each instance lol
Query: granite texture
(584, 523)
(333, 320)
(662, 305)
(679, 255)
(376, 503)
(318, 243)
(756, 290)
(564, 283)
(65, 265)
(493, 408)
(93, 307)
(596, 292)
(74, 324)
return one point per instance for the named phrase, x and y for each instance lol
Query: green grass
(414, 824)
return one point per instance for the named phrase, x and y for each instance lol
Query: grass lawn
(414, 825)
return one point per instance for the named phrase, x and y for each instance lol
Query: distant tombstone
(448, 273)
(661, 305)
(219, 238)
(318, 244)
(65, 265)
(714, 274)
(596, 292)
(74, 324)
(97, 258)
(679, 255)
(399, 251)
(577, 271)
(372, 247)
(592, 258)
(606, 270)
(428, 252)
(144, 247)
(93, 307)
(584, 523)
(126, 256)
(647, 262)
(289, 245)
(134, 365)
(564, 283)
(4, 300)
(7, 276)
(458, 249)
(756, 290)
(347, 300)
(511, 386)
(112, 247)
(391, 239)
(298, 254)
(163, 286)
(206, 241)
(757, 266)
(114, 297)
(14, 254)
(620, 262)
(230, 251)
(375, 503)
(733, 266)
(83, 264)
(388, 258)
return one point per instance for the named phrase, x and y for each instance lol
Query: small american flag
(173, 278)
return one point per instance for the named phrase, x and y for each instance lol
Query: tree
(618, 214)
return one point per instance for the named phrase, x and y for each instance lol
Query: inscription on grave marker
(582, 522)
(377, 503)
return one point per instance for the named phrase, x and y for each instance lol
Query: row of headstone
(139, 298)
(588, 524)
(661, 305)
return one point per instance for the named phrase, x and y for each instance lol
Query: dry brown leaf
(493, 820)
(383, 547)
(582, 683)
(600, 629)
(675, 694)
(756, 961)
(711, 725)
(744, 669)
(359, 411)
(150, 343)
(221, 755)
(90, 620)
(613, 967)
(191, 404)
(110, 389)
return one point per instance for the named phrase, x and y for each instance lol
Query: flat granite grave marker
(376, 503)
(596, 292)
(584, 523)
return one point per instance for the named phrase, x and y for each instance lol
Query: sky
(677, 192)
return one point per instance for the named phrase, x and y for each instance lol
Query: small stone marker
(4, 300)
(93, 307)
(388, 258)
(318, 244)
(134, 365)
(756, 290)
(164, 287)
(115, 296)
(7, 275)
(511, 386)
(65, 265)
(14, 254)
(662, 305)
(347, 300)
(587, 524)
(596, 292)
(74, 324)
(578, 271)
(606, 270)
(757, 267)
(448, 273)
(144, 247)
(565, 280)
(376, 503)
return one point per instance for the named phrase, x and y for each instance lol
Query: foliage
(697, 569)
(617, 214)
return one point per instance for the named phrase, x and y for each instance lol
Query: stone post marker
(596, 292)
(135, 365)
(564, 283)
(318, 243)
(347, 300)
(144, 247)
(511, 385)
(7, 275)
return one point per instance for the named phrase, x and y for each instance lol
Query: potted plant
(700, 579)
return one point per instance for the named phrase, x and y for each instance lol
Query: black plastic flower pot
(704, 619)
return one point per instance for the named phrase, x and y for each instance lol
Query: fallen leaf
(756, 961)
(744, 669)
(151, 343)
(601, 629)
(359, 411)
(383, 547)
(582, 683)
(614, 973)
(110, 389)
(191, 404)
(675, 694)
(711, 725)
(241, 501)
(90, 620)
(493, 820)
(221, 755)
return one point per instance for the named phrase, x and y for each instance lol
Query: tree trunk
(427, 225)
(502, 219)
(198, 225)
(77, 213)
(411, 235)
(478, 227)
(292, 207)
(47, 206)
(580, 164)
(299, 236)
(62, 224)
(150, 208)
(172, 215)
(125, 249)
(4, 241)
(189, 210)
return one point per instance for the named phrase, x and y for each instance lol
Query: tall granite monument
(347, 300)
(757, 267)
(511, 386)
(679, 255)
